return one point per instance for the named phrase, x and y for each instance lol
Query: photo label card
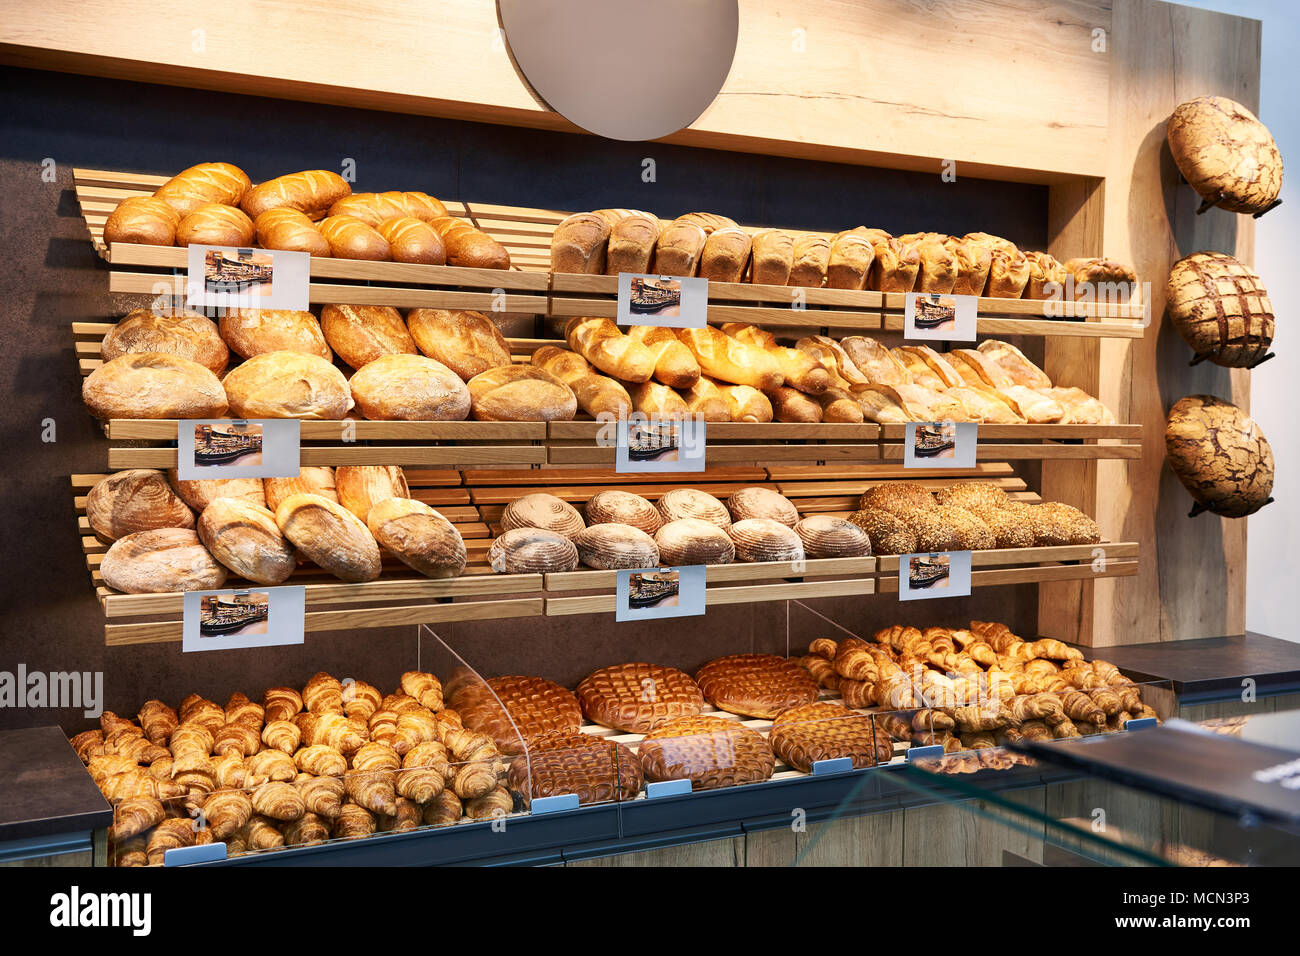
(940, 316)
(238, 448)
(934, 575)
(651, 593)
(648, 444)
(671, 301)
(230, 277)
(940, 444)
(255, 617)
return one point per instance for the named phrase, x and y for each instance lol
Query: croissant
(1082, 678)
(976, 647)
(107, 765)
(1130, 696)
(134, 746)
(112, 724)
(998, 684)
(321, 760)
(896, 693)
(158, 721)
(279, 801)
(134, 815)
(425, 772)
(443, 810)
(852, 660)
(128, 852)
(1107, 671)
(383, 728)
(323, 694)
(169, 835)
(927, 720)
(260, 834)
(474, 780)
(977, 718)
(1065, 728)
(467, 745)
(447, 720)
(424, 687)
(1057, 650)
(240, 708)
(281, 703)
(161, 769)
(858, 694)
(894, 725)
(407, 817)
(496, 803)
(822, 670)
(415, 727)
(227, 811)
(980, 740)
(270, 765)
(199, 710)
(321, 795)
(195, 771)
(1041, 667)
(88, 744)
(306, 830)
(823, 647)
(343, 734)
(399, 703)
(241, 737)
(191, 738)
(136, 783)
(354, 821)
(1035, 730)
(282, 735)
(230, 772)
(372, 781)
(360, 699)
(1081, 708)
(1032, 707)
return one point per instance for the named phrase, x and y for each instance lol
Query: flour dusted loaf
(419, 536)
(694, 541)
(1220, 455)
(634, 698)
(762, 539)
(608, 547)
(469, 343)
(311, 480)
(188, 335)
(251, 332)
(153, 385)
(520, 393)
(540, 510)
(409, 388)
(1221, 309)
(757, 502)
(245, 538)
(361, 487)
(532, 551)
(362, 333)
(690, 503)
(136, 500)
(287, 385)
(162, 560)
(826, 536)
(142, 219)
(201, 493)
(623, 507)
(331, 536)
(1226, 153)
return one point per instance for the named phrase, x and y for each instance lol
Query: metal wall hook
(1269, 208)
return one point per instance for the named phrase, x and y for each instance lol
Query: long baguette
(791, 405)
(674, 364)
(600, 342)
(723, 357)
(658, 401)
(747, 404)
(801, 370)
(598, 395)
(705, 399)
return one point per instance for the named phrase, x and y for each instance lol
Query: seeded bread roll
(689, 503)
(467, 342)
(623, 507)
(146, 220)
(413, 240)
(287, 385)
(1054, 523)
(311, 480)
(609, 547)
(311, 192)
(163, 560)
(694, 541)
(185, 334)
(888, 533)
(202, 184)
(598, 395)
(811, 259)
(771, 257)
(361, 487)
(726, 255)
(362, 333)
(410, 388)
(675, 366)
(520, 393)
(1010, 529)
(215, 225)
(286, 228)
(578, 244)
(756, 502)
(972, 494)
(201, 493)
(532, 551)
(544, 511)
(898, 495)
(826, 536)
(762, 539)
(245, 538)
(251, 332)
(350, 238)
(972, 533)
(330, 536)
(421, 538)
(153, 385)
(135, 500)
(933, 533)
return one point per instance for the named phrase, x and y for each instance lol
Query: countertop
(1211, 668)
(44, 788)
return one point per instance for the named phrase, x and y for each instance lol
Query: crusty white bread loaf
(374, 208)
(311, 192)
(601, 343)
(826, 536)
(311, 480)
(938, 268)
(419, 536)
(657, 401)
(895, 266)
(186, 334)
(874, 361)
(162, 560)
(362, 333)
(410, 388)
(801, 370)
(532, 551)
(1046, 276)
(286, 228)
(632, 241)
(973, 261)
(850, 262)
(834, 359)
(706, 400)
(597, 395)
(467, 342)
(202, 184)
(840, 406)
(350, 238)
(1008, 274)
(622, 507)
(412, 240)
(811, 258)
(245, 538)
(578, 244)
(215, 225)
(708, 221)
(609, 547)
(142, 219)
(520, 393)
(139, 499)
(674, 364)
(688, 541)
(541, 510)
(251, 332)
(692, 503)
(792, 405)
(201, 493)
(359, 487)
(771, 257)
(927, 367)
(726, 255)
(468, 246)
(678, 251)
(331, 536)
(153, 385)
(722, 357)
(758, 502)
(287, 385)
(762, 539)
(747, 404)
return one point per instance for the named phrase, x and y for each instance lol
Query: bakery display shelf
(590, 442)
(1073, 562)
(1123, 320)
(1036, 442)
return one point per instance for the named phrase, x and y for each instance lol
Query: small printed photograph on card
(257, 617)
(940, 444)
(940, 315)
(263, 448)
(649, 444)
(649, 593)
(672, 301)
(933, 575)
(231, 277)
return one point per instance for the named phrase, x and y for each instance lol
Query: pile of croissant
(336, 760)
(973, 689)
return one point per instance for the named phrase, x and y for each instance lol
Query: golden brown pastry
(675, 366)
(203, 184)
(311, 192)
(375, 208)
(412, 240)
(605, 346)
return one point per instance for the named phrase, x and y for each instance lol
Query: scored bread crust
(636, 697)
(755, 685)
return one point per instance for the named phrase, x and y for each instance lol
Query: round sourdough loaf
(532, 551)
(410, 388)
(694, 541)
(689, 503)
(623, 507)
(186, 334)
(331, 536)
(215, 225)
(142, 219)
(762, 539)
(1220, 455)
(251, 332)
(287, 385)
(153, 385)
(245, 538)
(362, 333)
(1222, 149)
(135, 500)
(521, 393)
(608, 547)
(165, 559)
(826, 536)
(540, 510)
(420, 537)
(199, 494)
(361, 487)
(762, 503)
(468, 343)
(1221, 309)
(311, 480)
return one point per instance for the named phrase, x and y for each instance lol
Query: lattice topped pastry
(596, 769)
(536, 706)
(711, 752)
(636, 697)
(825, 731)
(756, 685)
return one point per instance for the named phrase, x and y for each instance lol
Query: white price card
(940, 316)
(940, 444)
(940, 574)
(650, 593)
(238, 448)
(651, 444)
(255, 617)
(230, 277)
(672, 301)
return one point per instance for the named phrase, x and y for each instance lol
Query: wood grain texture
(728, 852)
(973, 832)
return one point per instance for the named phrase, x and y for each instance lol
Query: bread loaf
(690, 503)
(409, 388)
(705, 399)
(143, 219)
(972, 261)
(286, 228)
(362, 333)
(977, 370)
(849, 263)
(288, 385)
(421, 538)
(360, 487)
(578, 244)
(1012, 363)
(921, 361)
(726, 255)
(708, 221)
(687, 541)
(215, 225)
(245, 538)
(875, 361)
(840, 406)
(811, 259)
(826, 536)
(800, 370)
(469, 343)
(1226, 154)
(938, 268)
(203, 184)
(331, 536)
(311, 192)
(413, 240)
(757, 502)
(632, 241)
(163, 560)
(520, 393)
(674, 364)
(135, 500)
(543, 511)
(1008, 274)
(597, 395)
(350, 238)
(1220, 455)
(153, 385)
(747, 404)
(188, 335)
(1221, 309)
(657, 401)
(772, 257)
(623, 507)
(888, 533)
(722, 357)
(374, 208)
(532, 551)
(311, 480)
(677, 253)
(201, 493)
(469, 246)
(1046, 277)
(1101, 280)
(762, 539)
(251, 332)
(609, 547)
(895, 267)
(600, 342)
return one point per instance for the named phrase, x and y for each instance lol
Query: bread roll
(188, 335)
(202, 492)
(153, 385)
(421, 538)
(288, 385)
(722, 357)
(762, 539)
(469, 343)
(689, 503)
(610, 547)
(362, 333)
(409, 388)
(544, 511)
(601, 343)
(311, 192)
(850, 262)
(350, 238)
(706, 400)
(360, 487)
(311, 480)
(331, 536)
(286, 228)
(215, 225)
(135, 500)
(801, 370)
(811, 259)
(772, 257)
(374, 208)
(726, 255)
(756, 502)
(825, 536)
(675, 366)
(532, 551)
(657, 401)
(678, 251)
(840, 406)
(623, 507)
(245, 538)
(597, 395)
(578, 244)
(520, 393)
(469, 246)
(895, 267)
(688, 541)
(163, 560)
(203, 184)
(413, 240)
(632, 241)
(142, 219)
(746, 404)
(252, 332)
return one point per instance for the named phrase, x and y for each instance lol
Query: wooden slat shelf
(1034, 565)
